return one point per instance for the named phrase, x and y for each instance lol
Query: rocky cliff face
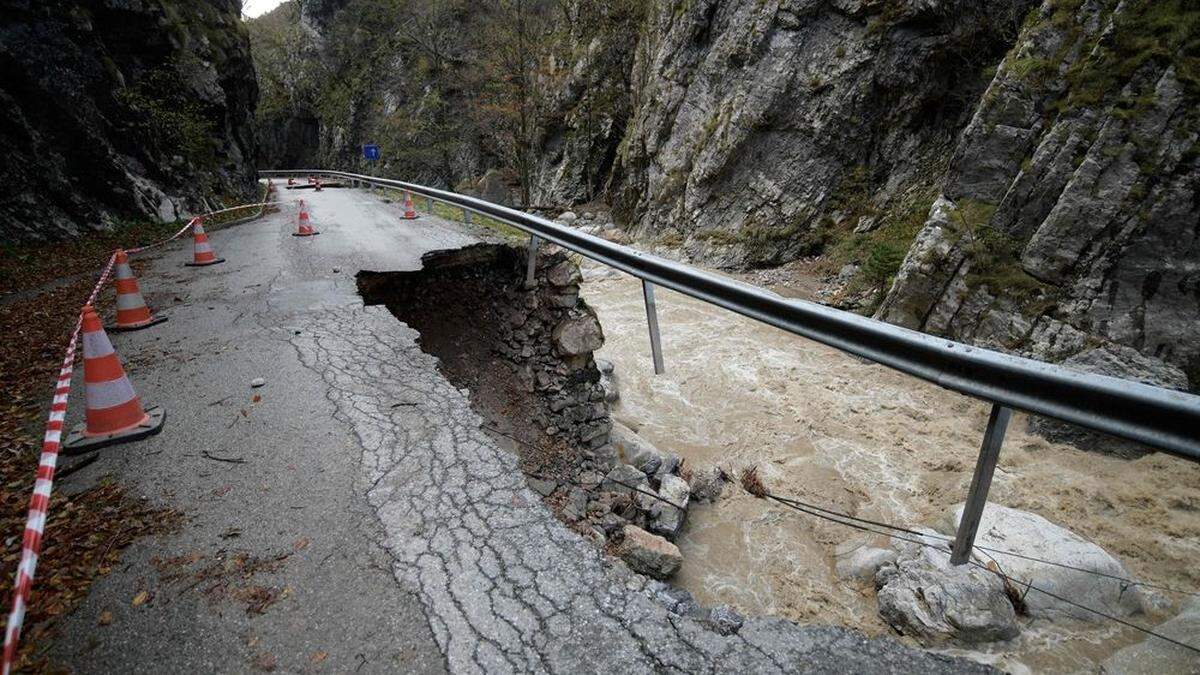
(1068, 226)
(118, 109)
(1019, 174)
(758, 124)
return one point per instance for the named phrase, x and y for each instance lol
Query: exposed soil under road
(458, 303)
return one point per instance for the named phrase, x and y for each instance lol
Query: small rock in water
(666, 519)
(1153, 655)
(636, 450)
(862, 563)
(707, 484)
(257, 382)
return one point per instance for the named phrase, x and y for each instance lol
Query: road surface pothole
(525, 355)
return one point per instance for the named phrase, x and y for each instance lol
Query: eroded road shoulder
(505, 586)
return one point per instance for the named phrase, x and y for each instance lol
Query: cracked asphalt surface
(397, 535)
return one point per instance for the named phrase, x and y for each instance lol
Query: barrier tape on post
(39, 502)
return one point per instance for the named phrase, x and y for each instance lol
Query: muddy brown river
(831, 429)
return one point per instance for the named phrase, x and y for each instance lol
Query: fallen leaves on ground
(227, 575)
(86, 532)
(265, 661)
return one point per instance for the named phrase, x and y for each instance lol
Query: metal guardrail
(1161, 418)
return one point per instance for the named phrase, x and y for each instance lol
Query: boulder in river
(641, 453)
(923, 595)
(667, 518)
(861, 563)
(649, 553)
(1032, 535)
(707, 483)
(1154, 655)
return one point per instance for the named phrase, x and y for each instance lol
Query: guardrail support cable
(981, 482)
(652, 322)
(531, 261)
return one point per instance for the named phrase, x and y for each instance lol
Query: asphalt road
(373, 527)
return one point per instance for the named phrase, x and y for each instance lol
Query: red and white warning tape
(39, 503)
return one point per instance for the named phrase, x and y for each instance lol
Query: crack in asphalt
(504, 585)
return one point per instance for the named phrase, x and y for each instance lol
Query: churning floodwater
(831, 429)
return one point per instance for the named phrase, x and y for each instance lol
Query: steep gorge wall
(761, 124)
(121, 110)
(1017, 174)
(1068, 226)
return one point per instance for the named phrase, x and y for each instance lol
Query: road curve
(403, 537)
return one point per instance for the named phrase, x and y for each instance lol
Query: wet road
(388, 536)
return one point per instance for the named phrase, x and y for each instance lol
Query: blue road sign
(371, 152)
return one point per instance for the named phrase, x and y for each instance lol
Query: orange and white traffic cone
(202, 251)
(317, 185)
(114, 412)
(410, 213)
(132, 312)
(291, 181)
(303, 228)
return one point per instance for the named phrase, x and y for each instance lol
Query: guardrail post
(652, 321)
(466, 216)
(429, 205)
(981, 482)
(531, 261)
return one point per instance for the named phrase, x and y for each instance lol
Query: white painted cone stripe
(108, 394)
(203, 247)
(123, 271)
(96, 345)
(130, 301)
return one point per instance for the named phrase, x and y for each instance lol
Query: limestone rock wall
(752, 118)
(121, 110)
(1068, 221)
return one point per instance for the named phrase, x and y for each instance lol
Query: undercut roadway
(370, 525)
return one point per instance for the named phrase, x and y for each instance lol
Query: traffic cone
(410, 213)
(202, 252)
(303, 228)
(291, 181)
(317, 185)
(114, 412)
(132, 312)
